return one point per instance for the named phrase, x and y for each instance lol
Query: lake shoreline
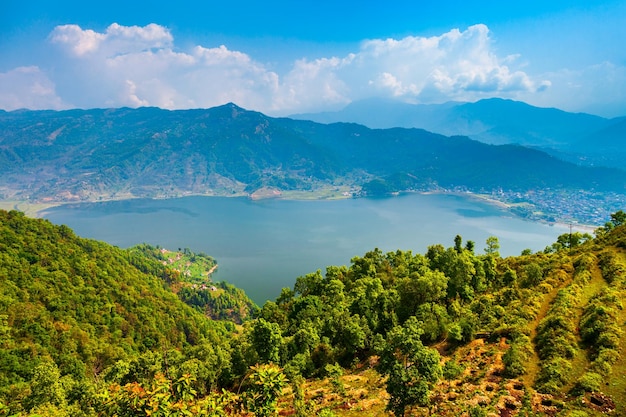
(38, 209)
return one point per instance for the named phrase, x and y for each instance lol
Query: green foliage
(554, 373)
(46, 387)
(589, 382)
(300, 406)
(70, 308)
(555, 340)
(610, 267)
(191, 273)
(87, 328)
(493, 246)
(516, 358)
(411, 368)
(451, 370)
(334, 373)
(571, 240)
(266, 383)
(164, 398)
(267, 341)
(617, 219)
(600, 329)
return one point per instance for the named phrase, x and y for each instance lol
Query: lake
(263, 246)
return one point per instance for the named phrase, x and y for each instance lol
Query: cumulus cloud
(117, 39)
(141, 66)
(28, 88)
(454, 66)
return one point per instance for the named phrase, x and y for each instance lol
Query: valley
(312, 209)
(115, 154)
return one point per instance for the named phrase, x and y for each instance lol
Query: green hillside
(89, 329)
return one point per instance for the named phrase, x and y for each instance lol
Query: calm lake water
(263, 246)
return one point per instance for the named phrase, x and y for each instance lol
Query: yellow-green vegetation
(193, 267)
(192, 283)
(88, 329)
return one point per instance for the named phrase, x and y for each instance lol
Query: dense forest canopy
(90, 329)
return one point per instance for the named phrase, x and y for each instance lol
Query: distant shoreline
(37, 210)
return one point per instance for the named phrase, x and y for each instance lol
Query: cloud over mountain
(143, 66)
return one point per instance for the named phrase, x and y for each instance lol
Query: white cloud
(141, 66)
(456, 65)
(116, 40)
(133, 66)
(596, 89)
(29, 88)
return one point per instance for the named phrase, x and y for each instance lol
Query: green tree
(267, 341)
(618, 218)
(418, 289)
(411, 367)
(493, 246)
(458, 243)
(46, 387)
(266, 385)
(571, 240)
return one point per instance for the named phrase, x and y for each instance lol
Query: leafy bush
(589, 382)
(451, 369)
(553, 375)
(515, 360)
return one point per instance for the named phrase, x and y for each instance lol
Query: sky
(285, 57)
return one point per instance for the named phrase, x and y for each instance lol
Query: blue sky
(284, 57)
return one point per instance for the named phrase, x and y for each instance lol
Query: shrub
(589, 382)
(553, 375)
(451, 370)
(515, 360)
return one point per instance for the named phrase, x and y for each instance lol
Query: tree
(46, 386)
(266, 384)
(458, 243)
(267, 341)
(411, 367)
(418, 289)
(493, 246)
(534, 274)
(571, 240)
(618, 218)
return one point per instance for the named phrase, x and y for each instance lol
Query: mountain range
(576, 137)
(119, 153)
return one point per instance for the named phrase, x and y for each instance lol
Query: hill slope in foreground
(89, 329)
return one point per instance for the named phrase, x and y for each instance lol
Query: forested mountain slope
(120, 153)
(89, 329)
(80, 306)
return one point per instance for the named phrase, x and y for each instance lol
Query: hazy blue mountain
(493, 121)
(104, 153)
(378, 113)
(605, 147)
(611, 138)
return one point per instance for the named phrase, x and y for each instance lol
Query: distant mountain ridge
(577, 137)
(150, 152)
